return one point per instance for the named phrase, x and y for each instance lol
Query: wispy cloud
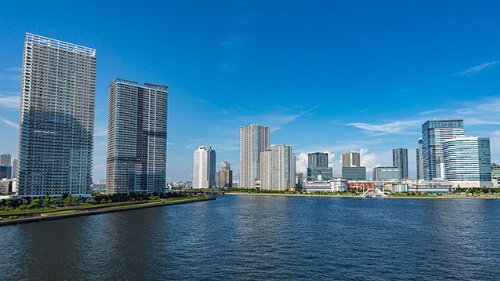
(16, 69)
(395, 127)
(10, 102)
(10, 123)
(476, 69)
(275, 121)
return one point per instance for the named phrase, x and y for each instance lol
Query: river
(244, 237)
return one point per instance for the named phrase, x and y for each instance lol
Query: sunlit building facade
(467, 161)
(204, 167)
(56, 127)
(400, 160)
(277, 168)
(137, 138)
(253, 140)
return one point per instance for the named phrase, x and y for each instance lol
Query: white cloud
(10, 123)
(275, 121)
(476, 69)
(301, 164)
(368, 160)
(395, 127)
(16, 69)
(10, 102)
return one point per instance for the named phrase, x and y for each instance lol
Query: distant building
(299, 180)
(495, 175)
(5, 159)
(400, 160)
(5, 172)
(277, 168)
(467, 161)
(386, 173)
(204, 167)
(137, 138)
(317, 160)
(56, 130)
(254, 139)
(434, 132)
(354, 173)
(351, 159)
(420, 160)
(14, 168)
(225, 176)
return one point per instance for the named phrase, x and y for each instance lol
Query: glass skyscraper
(317, 167)
(253, 140)
(468, 159)
(434, 133)
(57, 118)
(137, 138)
(400, 160)
(420, 160)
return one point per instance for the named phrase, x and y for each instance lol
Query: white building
(253, 140)
(277, 168)
(204, 167)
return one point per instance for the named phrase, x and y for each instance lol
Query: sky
(327, 76)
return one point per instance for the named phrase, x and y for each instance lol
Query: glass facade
(386, 173)
(57, 118)
(467, 159)
(434, 133)
(317, 160)
(137, 138)
(354, 173)
(400, 160)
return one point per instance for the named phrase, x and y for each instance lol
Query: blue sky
(324, 75)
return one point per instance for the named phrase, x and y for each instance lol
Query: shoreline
(79, 213)
(357, 196)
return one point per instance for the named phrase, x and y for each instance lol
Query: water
(263, 238)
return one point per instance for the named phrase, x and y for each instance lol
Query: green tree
(56, 201)
(68, 200)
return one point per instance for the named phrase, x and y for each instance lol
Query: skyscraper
(317, 167)
(277, 168)
(253, 140)
(14, 168)
(204, 167)
(225, 176)
(137, 138)
(351, 159)
(400, 160)
(420, 161)
(57, 118)
(434, 132)
(467, 161)
(5, 159)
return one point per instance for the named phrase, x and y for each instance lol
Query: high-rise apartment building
(434, 133)
(225, 176)
(317, 160)
(5, 159)
(400, 160)
(495, 175)
(14, 168)
(57, 118)
(467, 161)
(204, 167)
(277, 168)
(351, 159)
(253, 140)
(137, 138)
(420, 160)
(317, 167)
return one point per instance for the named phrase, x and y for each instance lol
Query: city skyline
(392, 71)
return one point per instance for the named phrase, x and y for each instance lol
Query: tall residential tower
(137, 138)
(400, 160)
(56, 127)
(253, 140)
(277, 168)
(204, 167)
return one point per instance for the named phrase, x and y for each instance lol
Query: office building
(386, 173)
(351, 159)
(5, 159)
(434, 133)
(354, 173)
(277, 168)
(56, 128)
(14, 168)
(254, 139)
(420, 160)
(5, 172)
(204, 167)
(467, 161)
(317, 160)
(400, 160)
(495, 175)
(225, 176)
(137, 138)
